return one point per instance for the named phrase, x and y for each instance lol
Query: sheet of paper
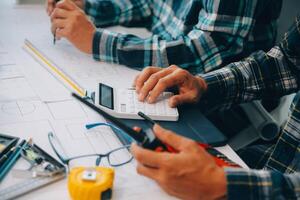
(80, 66)
(15, 89)
(33, 102)
(66, 110)
(78, 141)
(2, 50)
(47, 87)
(6, 59)
(23, 111)
(228, 151)
(10, 71)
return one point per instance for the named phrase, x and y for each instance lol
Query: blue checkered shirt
(276, 166)
(197, 35)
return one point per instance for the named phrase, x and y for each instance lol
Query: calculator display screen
(106, 96)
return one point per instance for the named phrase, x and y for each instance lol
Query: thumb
(170, 138)
(179, 99)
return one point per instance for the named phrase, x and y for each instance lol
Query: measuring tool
(54, 69)
(54, 171)
(22, 188)
(85, 183)
(91, 183)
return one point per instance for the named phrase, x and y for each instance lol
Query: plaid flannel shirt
(197, 35)
(264, 75)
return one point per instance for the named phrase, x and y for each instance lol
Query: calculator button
(150, 109)
(131, 109)
(172, 112)
(123, 108)
(131, 105)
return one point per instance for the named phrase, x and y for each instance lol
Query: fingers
(172, 139)
(62, 32)
(59, 13)
(59, 23)
(50, 5)
(152, 81)
(189, 97)
(147, 157)
(147, 171)
(170, 80)
(143, 76)
(137, 129)
(66, 5)
(58, 20)
(57, 27)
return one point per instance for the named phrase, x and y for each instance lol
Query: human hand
(153, 81)
(189, 174)
(70, 22)
(50, 5)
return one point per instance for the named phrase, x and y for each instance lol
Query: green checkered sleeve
(220, 33)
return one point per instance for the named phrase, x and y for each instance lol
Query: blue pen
(12, 160)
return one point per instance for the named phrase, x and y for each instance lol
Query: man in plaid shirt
(199, 36)
(192, 173)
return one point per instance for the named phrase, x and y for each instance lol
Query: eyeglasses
(117, 157)
(124, 136)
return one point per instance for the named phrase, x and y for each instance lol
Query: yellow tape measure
(91, 183)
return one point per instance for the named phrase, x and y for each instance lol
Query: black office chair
(265, 125)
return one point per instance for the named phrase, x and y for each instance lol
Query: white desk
(24, 114)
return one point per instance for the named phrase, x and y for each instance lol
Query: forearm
(138, 53)
(259, 184)
(108, 13)
(213, 41)
(263, 75)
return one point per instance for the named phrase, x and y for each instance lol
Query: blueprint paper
(80, 66)
(23, 111)
(10, 71)
(33, 102)
(6, 59)
(14, 89)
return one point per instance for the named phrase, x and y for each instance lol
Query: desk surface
(24, 113)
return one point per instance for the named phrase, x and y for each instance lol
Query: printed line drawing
(18, 108)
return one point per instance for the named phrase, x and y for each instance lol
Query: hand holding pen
(70, 22)
(50, 5)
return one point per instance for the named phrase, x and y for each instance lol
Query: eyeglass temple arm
(51, 137)
(119, 131)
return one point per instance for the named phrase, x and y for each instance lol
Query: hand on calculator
(153, 81)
